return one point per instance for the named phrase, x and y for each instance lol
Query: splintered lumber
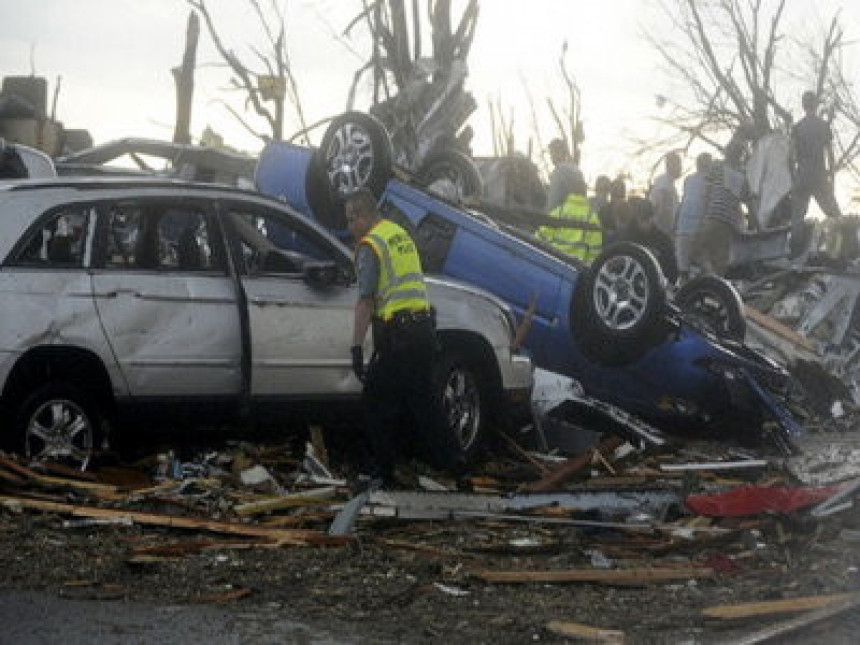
(12, 478)
(585, 632)
(772, 324)
(623, 577)
(308, 498)
(786, 627)
(226, 596)
(31, 476)
(293, 537)
(786, 606)
(573, 466)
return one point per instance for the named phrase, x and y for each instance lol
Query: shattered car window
(270, 244)
(162, 237)
(60, 241)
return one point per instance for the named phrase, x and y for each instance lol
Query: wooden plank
(294, 537)
(320, 496)
(786, 627)
(572, 467)
(772, 324)
(599, 576)
(786, 606)
(10, 477)
(579, 631)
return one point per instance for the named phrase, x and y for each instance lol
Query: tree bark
(183, 76)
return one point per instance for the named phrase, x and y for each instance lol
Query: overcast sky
(115, 56)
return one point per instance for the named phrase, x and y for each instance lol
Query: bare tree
(268, 87)
(183, 76)
(738, 69)
(420, 99)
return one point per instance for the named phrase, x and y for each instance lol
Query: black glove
(357, 361)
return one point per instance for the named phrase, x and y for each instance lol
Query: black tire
(610, 334)
(459, 385)
(65, 409)
(356, 153)
(712, 304)
(456, 167)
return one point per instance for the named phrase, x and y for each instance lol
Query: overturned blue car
(679, 363)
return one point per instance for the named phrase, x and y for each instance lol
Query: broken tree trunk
(183, 76)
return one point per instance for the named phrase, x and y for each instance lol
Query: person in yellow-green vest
(392, 299)
(583, 242)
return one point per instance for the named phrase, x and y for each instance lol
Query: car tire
(355, 153)
(618, 310)
(714, 305)
(59, 423)
(456, 167)
(459, 387)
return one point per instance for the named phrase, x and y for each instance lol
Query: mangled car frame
(680, 364)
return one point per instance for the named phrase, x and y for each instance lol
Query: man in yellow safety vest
(392, 298)
(578, 231)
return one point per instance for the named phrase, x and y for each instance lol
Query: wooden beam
(772, 324)
(786, 627)
(623, 577)
(785, 606)
(573, 466)
(579, 631)
(293, 537)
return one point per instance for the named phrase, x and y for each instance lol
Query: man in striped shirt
(727, 189)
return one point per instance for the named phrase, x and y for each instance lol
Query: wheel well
(59, 363)
(478, 351)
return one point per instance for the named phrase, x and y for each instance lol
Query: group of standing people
(582, 226)
(694, 230)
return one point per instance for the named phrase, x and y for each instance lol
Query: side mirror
(322, 275)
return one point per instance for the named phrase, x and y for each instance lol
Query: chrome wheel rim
(461, 402)
(621, 292)
(349, 158)
(59, 430)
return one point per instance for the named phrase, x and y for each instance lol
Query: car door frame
(217, 405)
(340, 254)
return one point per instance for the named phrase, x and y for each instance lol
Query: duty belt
(405, 317)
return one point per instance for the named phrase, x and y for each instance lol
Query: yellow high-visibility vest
(579, 242)
(401, 282)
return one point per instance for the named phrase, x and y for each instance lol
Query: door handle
(117, 292)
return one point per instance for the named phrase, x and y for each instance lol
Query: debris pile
(730, 536)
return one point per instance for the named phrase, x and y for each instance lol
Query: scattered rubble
(654, 542)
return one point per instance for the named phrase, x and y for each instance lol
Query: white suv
(121, 297)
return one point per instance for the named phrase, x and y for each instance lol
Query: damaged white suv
(122, 297)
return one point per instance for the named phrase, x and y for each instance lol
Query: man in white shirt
(664, 195)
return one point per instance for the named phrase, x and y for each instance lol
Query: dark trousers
(399, 401)
(801, 194)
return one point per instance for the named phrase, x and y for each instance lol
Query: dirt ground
(414, 581)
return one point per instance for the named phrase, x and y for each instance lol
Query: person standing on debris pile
(664, 195)
(577, 231)
(691, 212)
(727, 189)
(392, 298)
(600, 198)
(812, 170)
(564, 175)
(642, 229)
(615, 214)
